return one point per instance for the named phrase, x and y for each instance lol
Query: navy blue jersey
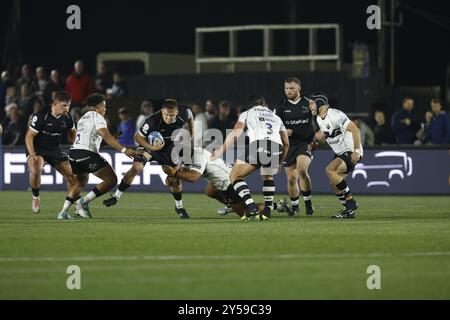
(50, 130)
(156, 123)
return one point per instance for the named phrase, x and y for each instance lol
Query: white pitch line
(222, 257)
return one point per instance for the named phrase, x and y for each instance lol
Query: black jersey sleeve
(279, 107)
(148, 126)
(70, 122)
(37, 122)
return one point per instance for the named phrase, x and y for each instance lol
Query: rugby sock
(244, 192)
(345, 190)
(341, 198)
(121, 189)
(294, 203)
(307, 197)
(268, 193)
(92, 195)
(35, 192)
(67, 203)
(178, 199)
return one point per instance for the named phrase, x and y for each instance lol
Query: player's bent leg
(109, 180)
(65, 170)
(176, 188)
(137, 167)
(336, 172)
(303, 163)
(35, 169)
(293, 189)
(238, 173)
(268, 193)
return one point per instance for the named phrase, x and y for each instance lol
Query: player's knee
(330, 171)
(303, 173)
(292, 179)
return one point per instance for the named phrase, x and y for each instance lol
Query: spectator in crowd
(79, 85)
(119, 88)
(211, 110)
(223, 120)
(55, 84)
(404, 124)
(11, 95)
(381, 130)
(13, 126)
(422, 133)
(200, 123)
(41, 81)
(146, 111)
(26, 100)
(367, 135)
(27, 78)
(102, 81)
(439, 125)
(37, 107)
(126, 127)
(5, 83)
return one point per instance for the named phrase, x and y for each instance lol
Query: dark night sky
(423, 48)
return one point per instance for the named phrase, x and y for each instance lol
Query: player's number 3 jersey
(334, 126)
(262, 123)
(87, 137)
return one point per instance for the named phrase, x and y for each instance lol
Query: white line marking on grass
(223, 257)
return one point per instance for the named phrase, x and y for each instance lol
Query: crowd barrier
(402, 171)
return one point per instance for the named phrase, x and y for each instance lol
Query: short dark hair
(257, 100)
(170, 104)
(123, 110)
(293, 79)
(62, 96)
(407, 98)
(436, 101)
(95, 99)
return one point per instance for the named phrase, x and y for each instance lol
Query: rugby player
(170, 118)
(85, 158)
(344, 138)
(43, 143)
(299, 122)
(268, 145)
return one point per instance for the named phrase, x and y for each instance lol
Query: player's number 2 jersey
(262, 124)
(87, 137)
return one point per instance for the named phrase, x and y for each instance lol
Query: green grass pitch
(140, 249)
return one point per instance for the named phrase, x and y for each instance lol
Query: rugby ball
(155, 138)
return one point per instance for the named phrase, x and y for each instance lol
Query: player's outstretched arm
(235, 134)
(29, 138)
(109, 139)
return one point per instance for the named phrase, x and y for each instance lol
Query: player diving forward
(84, 156)
(268, 145)
(171, 117)
(216, 173)
(344, 138)
(43, 141)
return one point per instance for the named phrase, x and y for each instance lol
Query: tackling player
(85, 158)
(216, 173)
(171, 117)
(268, 145)
(344, 138)
(43, 142)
